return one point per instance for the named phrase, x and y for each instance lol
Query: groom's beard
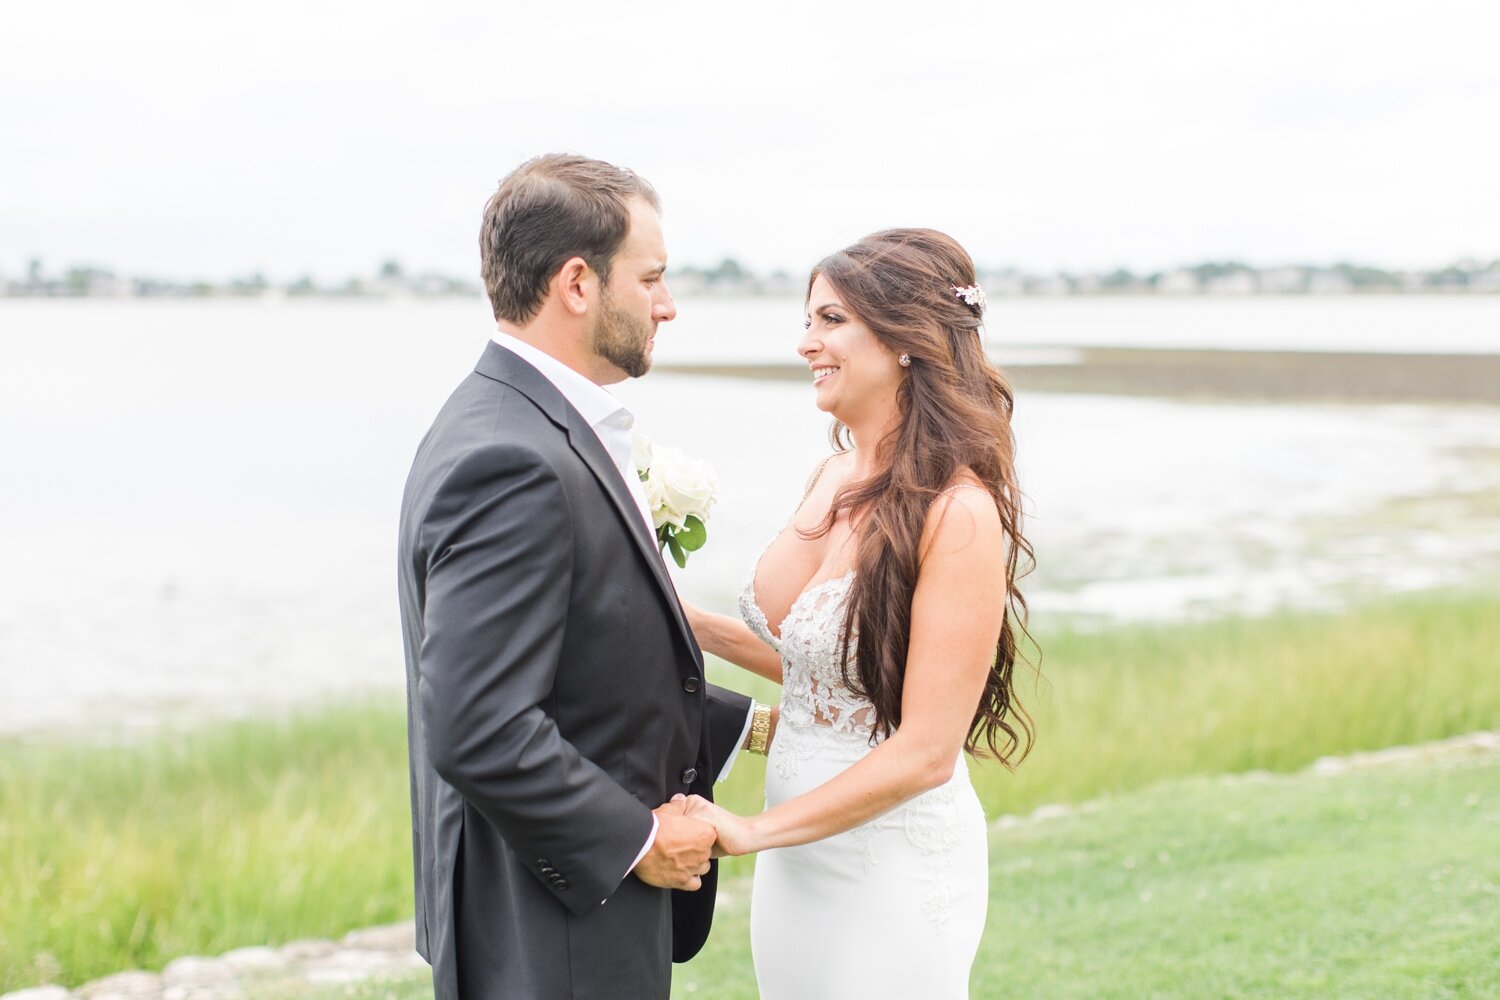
(622, 339)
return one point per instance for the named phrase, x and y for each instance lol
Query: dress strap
(959, 486)
(814, 481)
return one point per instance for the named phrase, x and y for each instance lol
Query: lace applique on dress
(753, 617)
(935, 832)
(813, 686)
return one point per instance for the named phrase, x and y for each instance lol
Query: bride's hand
(735, 833)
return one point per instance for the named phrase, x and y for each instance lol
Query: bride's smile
(854, 375)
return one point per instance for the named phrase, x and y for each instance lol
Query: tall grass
(125, 857)
(257, 832)
(1130, 706)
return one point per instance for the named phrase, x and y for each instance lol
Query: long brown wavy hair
(955, 409)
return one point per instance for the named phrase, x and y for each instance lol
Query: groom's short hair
(550, 209)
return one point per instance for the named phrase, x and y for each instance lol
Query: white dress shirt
(613, 423)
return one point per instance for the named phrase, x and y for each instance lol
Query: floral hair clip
(971, 294)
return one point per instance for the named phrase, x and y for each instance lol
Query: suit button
(689, 776)
(691, 685)
(562, 883)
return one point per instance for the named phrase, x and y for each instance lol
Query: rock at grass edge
(122, 986)
(192, 970)
(255, 957)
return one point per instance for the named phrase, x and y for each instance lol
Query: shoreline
(1212, 375)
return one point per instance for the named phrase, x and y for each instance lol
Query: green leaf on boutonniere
(692, 534)
(678, 556)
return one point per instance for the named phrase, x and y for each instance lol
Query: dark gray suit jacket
(555, 696)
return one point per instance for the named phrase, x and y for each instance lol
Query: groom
(555, 692)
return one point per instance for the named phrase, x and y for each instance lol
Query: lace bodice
(813, 689)
(817, 707)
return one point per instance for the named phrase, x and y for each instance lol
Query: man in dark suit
(555, 691)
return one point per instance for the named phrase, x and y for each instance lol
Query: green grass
(1127, 707)
(1361, 885)
(1376, 884)
(1379, 884)
(253, 832)
(264, 832)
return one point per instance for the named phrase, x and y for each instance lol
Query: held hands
(736, 834)
(679, 856)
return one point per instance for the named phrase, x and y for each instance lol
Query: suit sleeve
(498, 544)
(726, 712)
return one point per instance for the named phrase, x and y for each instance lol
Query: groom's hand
(679, 856)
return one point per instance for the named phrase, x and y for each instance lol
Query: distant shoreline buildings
(729, 278)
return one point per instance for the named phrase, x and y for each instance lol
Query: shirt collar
(593, 402)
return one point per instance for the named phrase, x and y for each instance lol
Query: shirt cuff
(734, 754)
(650, 839)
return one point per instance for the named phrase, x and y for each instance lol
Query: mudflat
(1282, 376)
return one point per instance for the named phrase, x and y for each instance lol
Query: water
(1031, 329)
(200, 497)
(1385, 324)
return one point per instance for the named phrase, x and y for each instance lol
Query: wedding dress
(890, 910)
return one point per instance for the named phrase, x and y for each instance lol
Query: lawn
(1376, 884)
(1379, 884)
(264, 832)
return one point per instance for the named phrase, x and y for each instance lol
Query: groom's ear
(574, 285)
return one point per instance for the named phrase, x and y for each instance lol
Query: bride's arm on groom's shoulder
(957, 612)
(731, 639)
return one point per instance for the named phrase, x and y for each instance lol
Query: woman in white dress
(887, 610)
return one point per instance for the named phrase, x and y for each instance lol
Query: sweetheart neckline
(755, 567)
(810, 588)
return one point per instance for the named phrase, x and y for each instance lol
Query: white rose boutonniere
(679, 491)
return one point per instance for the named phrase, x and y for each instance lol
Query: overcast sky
(212, 139)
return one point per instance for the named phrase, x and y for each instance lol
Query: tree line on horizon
(730, 277)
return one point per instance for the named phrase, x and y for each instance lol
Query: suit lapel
(505, 366)
(587, 446)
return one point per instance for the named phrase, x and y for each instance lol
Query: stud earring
(904, 361)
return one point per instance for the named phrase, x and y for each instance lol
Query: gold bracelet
(760, 729)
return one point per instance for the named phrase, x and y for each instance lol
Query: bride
(884, 609)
